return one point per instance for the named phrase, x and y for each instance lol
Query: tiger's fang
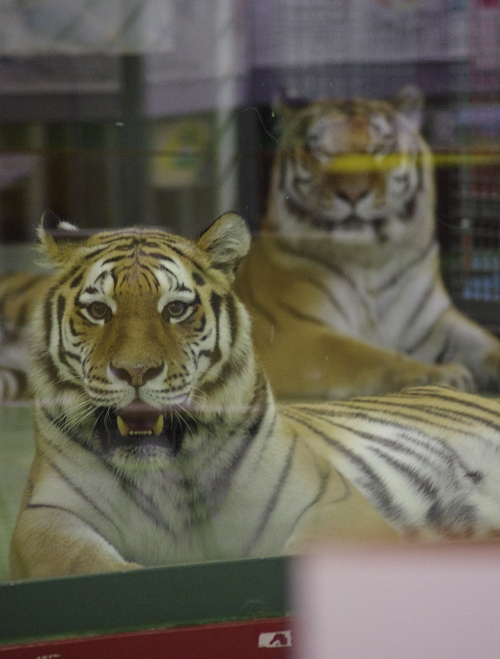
(122, 426)
(158, 427)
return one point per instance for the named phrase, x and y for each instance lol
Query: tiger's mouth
(139, 420)
(352, 223)
(139, 428)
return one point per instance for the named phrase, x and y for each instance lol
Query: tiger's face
(143, 333)
(357, 173)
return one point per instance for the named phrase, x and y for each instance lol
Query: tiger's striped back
(427, 458)
(19, 293)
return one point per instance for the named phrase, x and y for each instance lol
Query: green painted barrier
(143, 599)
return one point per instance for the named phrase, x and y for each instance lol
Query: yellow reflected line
(467, 159)
(357, 163)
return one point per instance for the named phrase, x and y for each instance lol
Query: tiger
(343, 279)
(159, 440)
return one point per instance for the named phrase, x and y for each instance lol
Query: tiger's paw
(452, 375)
(108, 566)
(489, 377)
(130, 565)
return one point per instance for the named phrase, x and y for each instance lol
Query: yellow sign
(181, 147)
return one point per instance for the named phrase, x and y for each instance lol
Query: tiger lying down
(19, 293)
(344, 274)
(158, 439)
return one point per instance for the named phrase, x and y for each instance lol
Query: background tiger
(343, 282)
(158, 439)
(19, 293)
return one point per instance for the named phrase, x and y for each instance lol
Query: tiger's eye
(99, 311)
(175, 309)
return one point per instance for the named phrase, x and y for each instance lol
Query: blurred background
(121, 112)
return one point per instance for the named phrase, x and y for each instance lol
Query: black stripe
(188, 258)
(61, 352)
(324, 477)
(113, 259)
(234, 318)
(215, 354)
(432, 449)
(151, 282)
(231, 368)
(47, 365)
(251, 434)
(425, 450)
(418, 310)
(441, 356)
(384, 417)
(144, 502)
(421, 256)
(372, 482)
(460, 402)
(76, 281)
(274, 498)
(422, 485)
(80, 492)
(17, 389)
(77, 270)
(49, 300)
(161, 256)
(259, 405)
(327, 293)
(427, 335)
(438, 413)
(47, 317)
(295, 251)
(295, 313)
(129, 246)
(201, 327)
(38, 506)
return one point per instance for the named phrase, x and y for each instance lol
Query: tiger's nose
(352, 195)
(136, 375)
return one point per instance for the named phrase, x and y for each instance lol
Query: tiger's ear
(409, 101)
(226, 242)
(286, 105)
(58, 238)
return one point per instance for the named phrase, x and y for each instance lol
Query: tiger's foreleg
(306, 359)
(456, 338)
(51, 542)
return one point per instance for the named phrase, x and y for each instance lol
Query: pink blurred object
(404, 602)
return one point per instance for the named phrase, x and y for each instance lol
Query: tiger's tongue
(139, 419)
